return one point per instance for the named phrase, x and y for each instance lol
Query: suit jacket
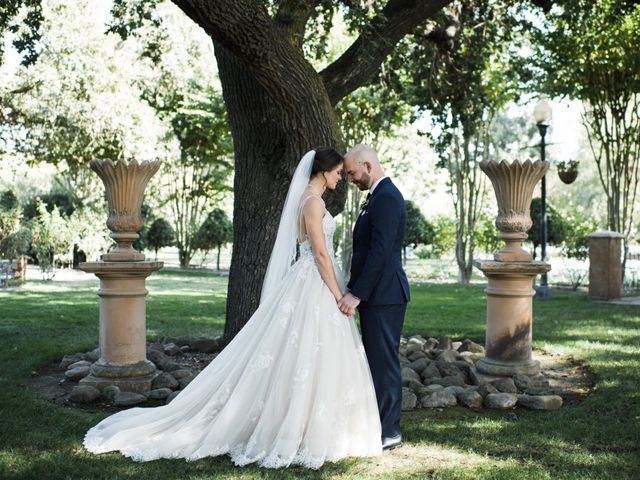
(377, 276)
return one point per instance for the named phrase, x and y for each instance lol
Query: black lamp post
(542, 116)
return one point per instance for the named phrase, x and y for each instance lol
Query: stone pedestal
(123, 360)
(605, 265)
(509, 317)
(511, 272)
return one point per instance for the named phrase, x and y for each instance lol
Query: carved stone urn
(125, 184)
(513, 184)
(122, 273)
(510, 275)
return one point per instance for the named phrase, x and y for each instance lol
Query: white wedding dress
(293, 387)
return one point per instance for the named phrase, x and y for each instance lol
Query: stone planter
(510, 275)
(513, 184)
(124, 184)
(122, 273)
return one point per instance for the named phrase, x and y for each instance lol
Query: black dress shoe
(389, 443)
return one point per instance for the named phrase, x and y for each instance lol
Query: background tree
(557, 229)
(419, 231)
(481, 61)
(51, 238)
(215, 232)
(200, 176)
(159, 235)
(577, 59)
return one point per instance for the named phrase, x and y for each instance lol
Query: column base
(135, 377)
(130, 384)
(499, 368)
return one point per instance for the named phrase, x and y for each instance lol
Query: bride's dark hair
(325, 160)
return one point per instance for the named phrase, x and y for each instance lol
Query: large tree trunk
(269, 140)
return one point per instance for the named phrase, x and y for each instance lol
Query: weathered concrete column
(509, 317)
(510, 275)
(605, 265)
(122, 273)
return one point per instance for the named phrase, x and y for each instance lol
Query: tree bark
(269, 141)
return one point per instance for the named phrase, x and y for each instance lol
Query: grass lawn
(596, 438)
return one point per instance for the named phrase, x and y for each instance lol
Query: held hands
(348, 303)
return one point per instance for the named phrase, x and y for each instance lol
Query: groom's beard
(364, 182)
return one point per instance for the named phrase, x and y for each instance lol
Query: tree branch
(245, 29)
(292, 16)
(362, 59)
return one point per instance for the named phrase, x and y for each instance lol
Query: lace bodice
(328, 227)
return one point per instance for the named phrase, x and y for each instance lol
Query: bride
(293, 387)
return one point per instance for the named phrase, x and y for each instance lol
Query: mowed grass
(595, 438)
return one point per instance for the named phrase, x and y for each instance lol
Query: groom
(378, 286)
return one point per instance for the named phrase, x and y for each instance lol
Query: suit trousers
(381, 327)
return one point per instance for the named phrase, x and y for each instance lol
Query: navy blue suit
(379, 281)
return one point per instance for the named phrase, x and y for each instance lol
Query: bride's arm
(313, 213)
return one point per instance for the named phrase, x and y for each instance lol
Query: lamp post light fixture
(542, 115)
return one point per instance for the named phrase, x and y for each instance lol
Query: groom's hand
(348, 304)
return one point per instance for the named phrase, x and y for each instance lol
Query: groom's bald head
(362, 166)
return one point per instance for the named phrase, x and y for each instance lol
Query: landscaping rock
(77, 373)
(470, 398)
(181, 373)
(419, 365)
(164, 380)
(417, 340)
(500, 401)
(158, 357)
(205, 345)
(445, 343)
(439, 399)
(446, 381)
(171, 367)
(69, 359)
(469, 357)
(170, 349)
(505, 385)
(84, 394)
(540, 402)
(110, 392)
(430, 372)
(171, 396)
(184, 381)
(417, 355)
(471, 347)
(455, 389)
(431, 388)
(449, 370)
(521, 382)
(448, 356)
(412, 384)
(81, 363)
(159, 393)
(93, 355)
(409, 399)
(127, 399)
(410, 374)
(430, 344)
(486, 389)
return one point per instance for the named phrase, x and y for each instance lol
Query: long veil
(284, 250)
